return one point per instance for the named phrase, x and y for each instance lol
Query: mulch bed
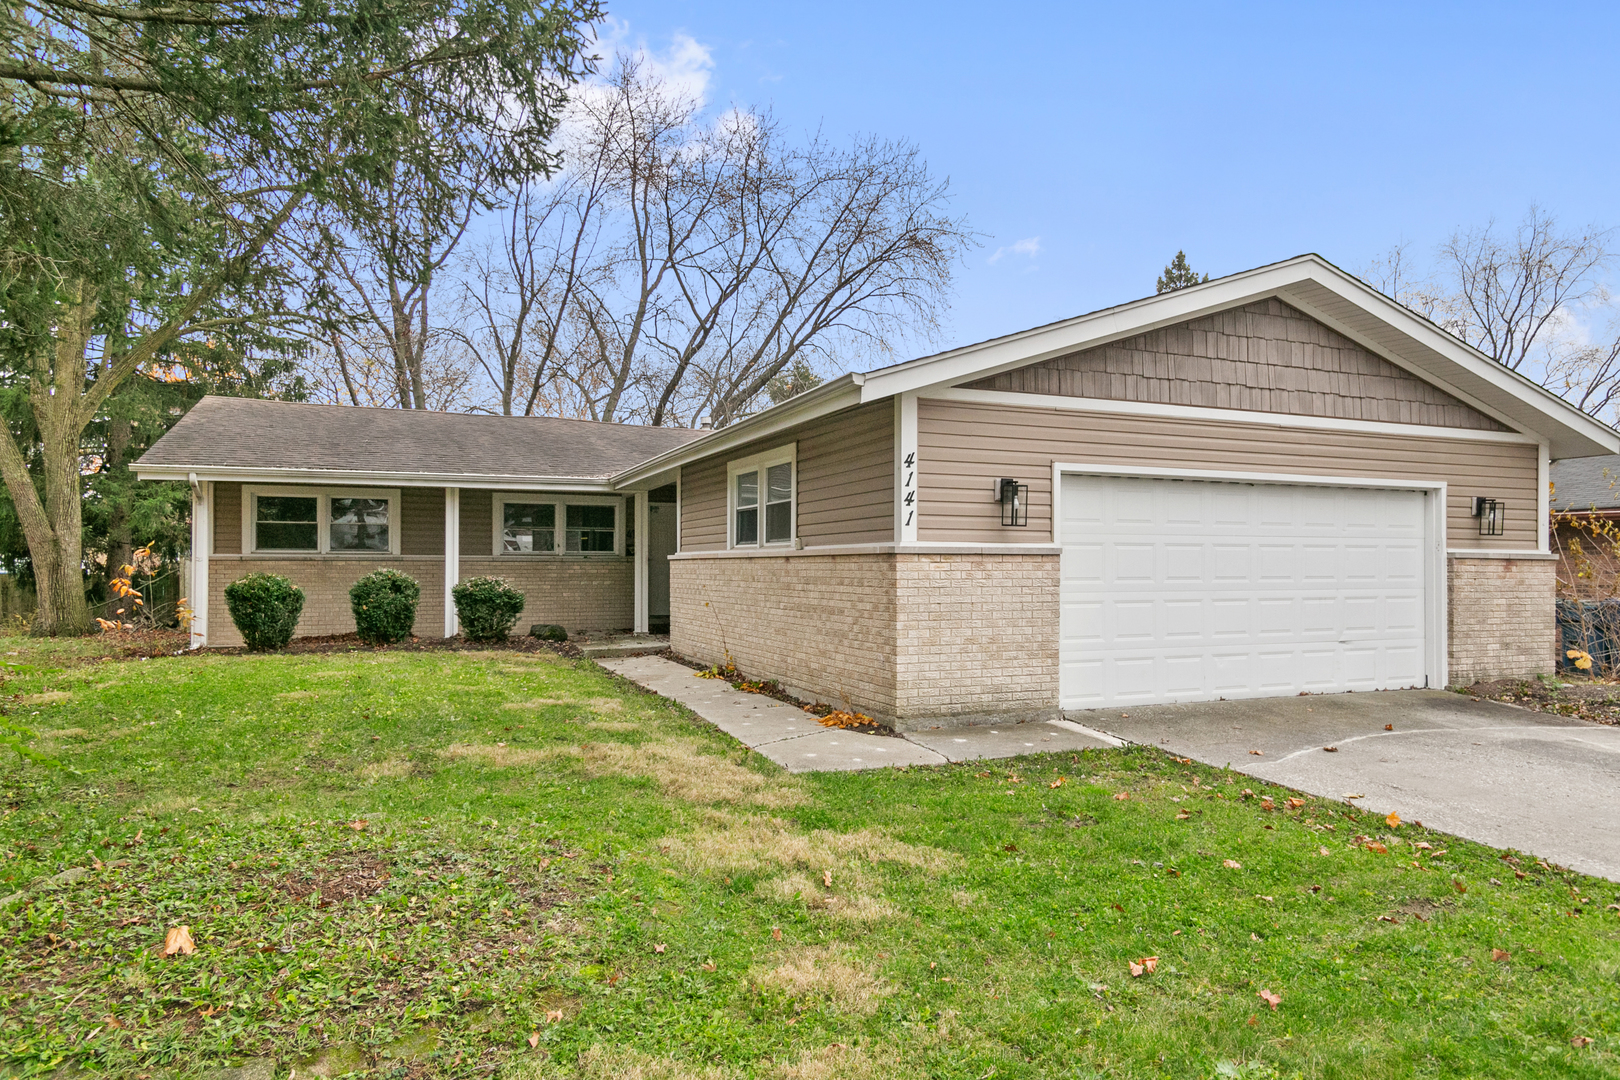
(1595, 701)
(340, 643)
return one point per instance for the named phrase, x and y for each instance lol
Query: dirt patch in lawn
(339, 878)
(1591, 700)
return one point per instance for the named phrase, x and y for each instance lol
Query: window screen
(359, 525)
(529, 527)
(779, 503)
(285, 523)
(590, 528)
(747, 531)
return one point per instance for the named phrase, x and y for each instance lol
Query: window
(543, 524)
(761, 498)
(528, 527)
(287, 523)
(320, 521)
(591, 528)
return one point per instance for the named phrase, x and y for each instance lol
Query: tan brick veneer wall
(1502, 618)
(326, 583)
(580, 594)
(912, 639)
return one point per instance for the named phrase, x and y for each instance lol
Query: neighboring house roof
(1587, 483)
(246, 438)
(1308, 283)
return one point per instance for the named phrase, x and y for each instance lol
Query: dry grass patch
(50, 697)
(63, 733)
(680, 767)
(835, 1062)
(850, 899)
(623, 1063)
(730, 844)
(616, 725)
(539, 703)
(390, 768)
(824, 975)
(296, 695)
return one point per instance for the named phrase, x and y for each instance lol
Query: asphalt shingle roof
(249, 434)
(1586, 482)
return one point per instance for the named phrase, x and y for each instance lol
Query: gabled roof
(246, 438)
(1587, 483)
(1307, 282)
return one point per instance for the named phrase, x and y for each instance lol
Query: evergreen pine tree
(1178, 275)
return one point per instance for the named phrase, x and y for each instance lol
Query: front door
(660, 546)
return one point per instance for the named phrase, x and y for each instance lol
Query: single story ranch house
(1277, 482)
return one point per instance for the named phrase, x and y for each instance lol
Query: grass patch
(467, 864)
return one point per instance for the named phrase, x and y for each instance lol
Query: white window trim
(323, 520)
(562, 501)
(760, 462)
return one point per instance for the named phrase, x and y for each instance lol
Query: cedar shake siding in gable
(845, 488)
(963, 447)
(1262, 357)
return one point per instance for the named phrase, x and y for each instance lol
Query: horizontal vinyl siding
(227, 518)
(963, 447)
(421, 511)
(846, 482)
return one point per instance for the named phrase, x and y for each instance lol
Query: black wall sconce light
(1491, 513)
(1014, 499)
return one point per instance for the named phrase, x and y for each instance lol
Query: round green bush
(384, 603)
(265, 608)
(487, 608)
(548, 632)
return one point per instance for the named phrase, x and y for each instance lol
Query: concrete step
(628, 645)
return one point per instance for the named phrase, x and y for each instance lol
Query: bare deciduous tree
(677, 267)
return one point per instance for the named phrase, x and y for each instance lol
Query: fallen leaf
(776, 933)
(1389, 727)
(1258, 753)
(1331, 749)
(1117, 908)
(1271, 999)
(1500, 955)
(1580, 1040)
(1056, 783)
(1458, 885)
(358, 826)
(1323, 851)
(534, 1039)
(1423, 845)
(1295, 804)
(1136, 969)
(1231, 864)
(554, 1016)
(1373, 845)
(1122, 796)
(1151, 963)
(1393, 820)
(178, 940)
(1267, 804)
(1388, 919)
(658, 948)
(1246, 793)
(1183, 816)
(1267, 899)
(710, 965)
(1253, 1021)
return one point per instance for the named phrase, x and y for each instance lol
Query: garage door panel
(1192, 590)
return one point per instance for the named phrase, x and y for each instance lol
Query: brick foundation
(326, 583)
(1501, 618)
(915, 640)
(580, 594)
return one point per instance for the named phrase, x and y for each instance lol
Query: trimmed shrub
(548, 632)
(265, 608)
(384, 603)
(487, 608)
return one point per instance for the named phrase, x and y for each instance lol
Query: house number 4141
(908, 487)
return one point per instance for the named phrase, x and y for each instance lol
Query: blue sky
(1107, 137)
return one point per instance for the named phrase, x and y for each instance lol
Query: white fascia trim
(930, 548)
(336, 478)
(827, 398)
(1437, 665)
(1230, 416)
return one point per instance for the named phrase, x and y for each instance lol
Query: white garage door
(1192, 590)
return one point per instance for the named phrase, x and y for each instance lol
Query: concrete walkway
(791, 737)
(1495, 773)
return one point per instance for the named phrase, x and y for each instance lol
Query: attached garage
(1180, 588)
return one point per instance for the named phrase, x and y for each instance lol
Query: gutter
(195, 474)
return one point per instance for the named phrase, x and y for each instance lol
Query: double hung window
(532, 524)
(320, 522)
(761, 499)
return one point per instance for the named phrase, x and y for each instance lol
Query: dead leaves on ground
(1271, 999)
(178, 941)
(1147, 965)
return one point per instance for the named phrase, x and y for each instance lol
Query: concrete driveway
(1490, 772)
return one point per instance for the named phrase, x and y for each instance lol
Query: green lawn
(426, 862)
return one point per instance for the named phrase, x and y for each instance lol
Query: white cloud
(1029, 246)
(685, 66)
